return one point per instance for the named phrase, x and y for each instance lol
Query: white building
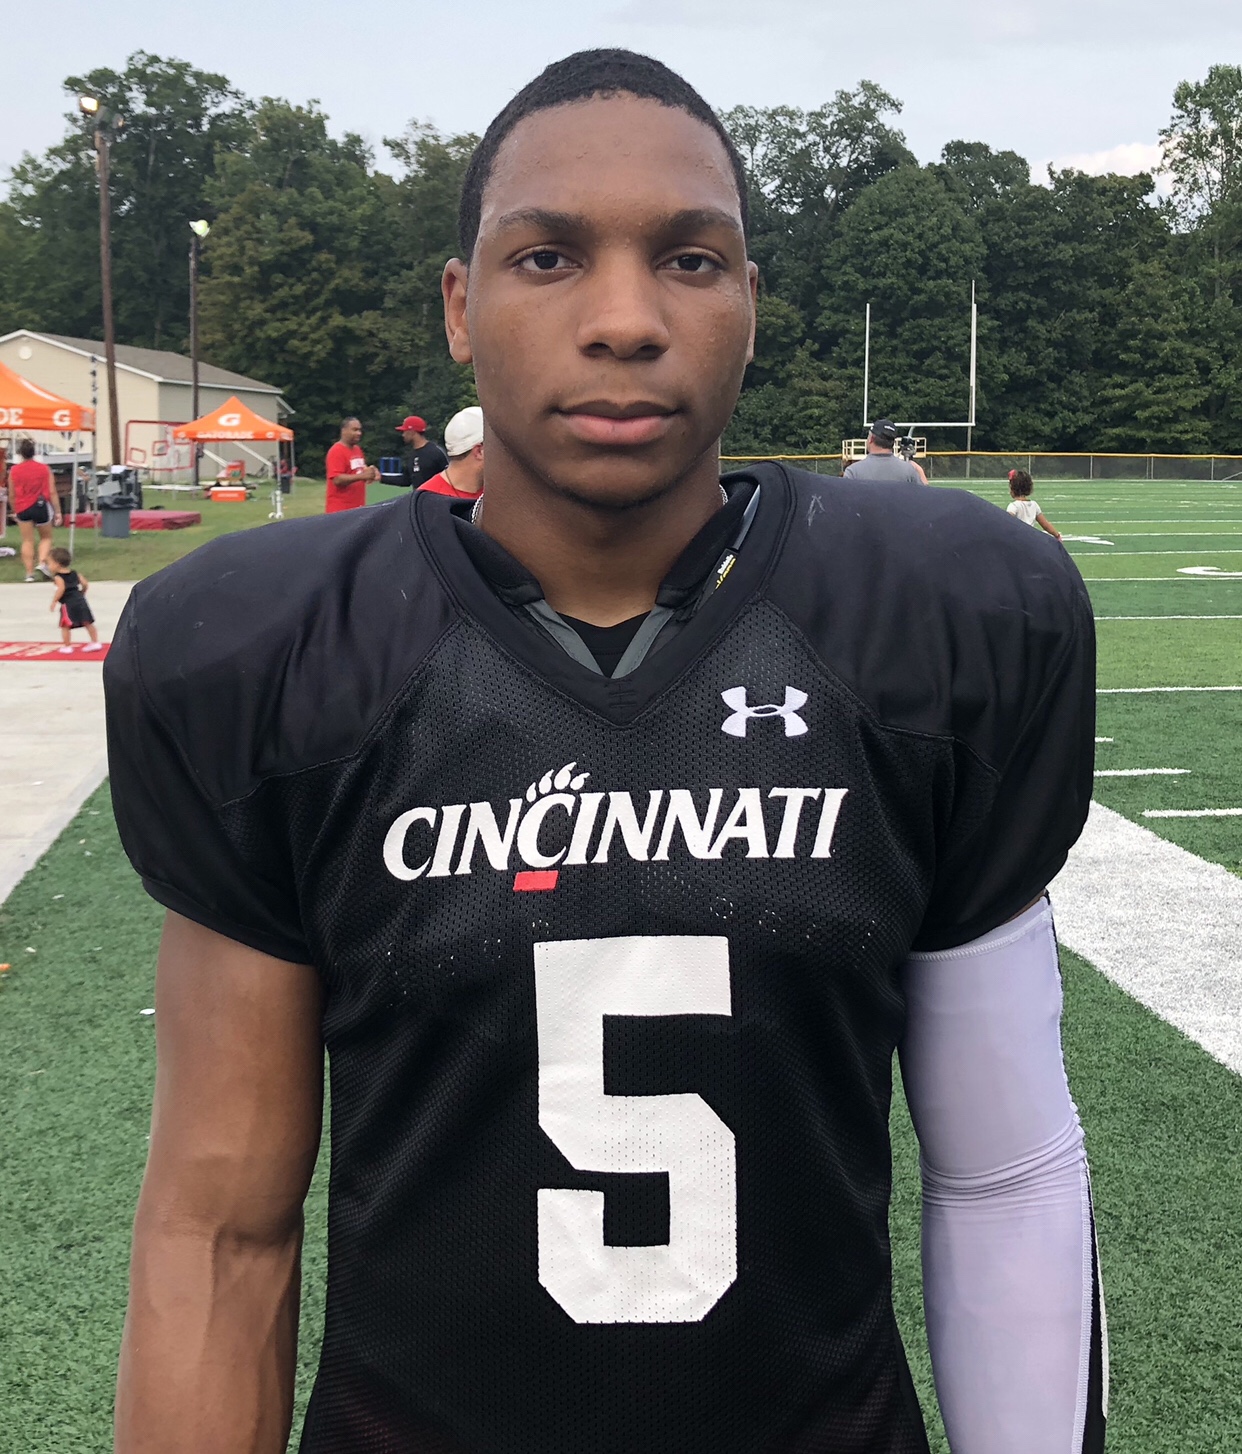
(153, 394)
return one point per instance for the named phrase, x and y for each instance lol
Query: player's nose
(622, 312)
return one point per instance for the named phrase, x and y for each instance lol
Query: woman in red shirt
(36, 506)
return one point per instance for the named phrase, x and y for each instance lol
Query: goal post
(911, 424)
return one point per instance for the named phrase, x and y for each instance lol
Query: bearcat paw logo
(558, 782)
(555, 780)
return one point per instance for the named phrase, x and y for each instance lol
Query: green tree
(1153, 397)
(412, 370)
(1059, 260)
(177, 119)
(1203, 155)
(299, 256)
(985, 175)
(909, 247)
(806, 168)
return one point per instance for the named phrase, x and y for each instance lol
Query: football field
(1163, 1117)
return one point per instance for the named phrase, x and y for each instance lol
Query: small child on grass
(70, 596)
(1021, 504)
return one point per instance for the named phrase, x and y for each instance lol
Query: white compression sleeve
(1015, 1317)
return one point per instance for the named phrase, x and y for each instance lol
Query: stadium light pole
(198, 230)
(104, 126)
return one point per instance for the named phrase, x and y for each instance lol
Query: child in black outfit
(70, 596)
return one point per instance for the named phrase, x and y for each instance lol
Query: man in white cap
(462, 478)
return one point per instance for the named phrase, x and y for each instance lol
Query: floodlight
(88, 105)
(200, 228)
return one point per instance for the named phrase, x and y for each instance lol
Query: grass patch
(145, 551)
(1169, 653)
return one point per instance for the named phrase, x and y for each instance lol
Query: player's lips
(602, 421)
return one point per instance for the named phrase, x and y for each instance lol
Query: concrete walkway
(52, 748)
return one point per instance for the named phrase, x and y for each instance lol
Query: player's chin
(621, 479)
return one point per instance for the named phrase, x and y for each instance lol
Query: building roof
(154, 363)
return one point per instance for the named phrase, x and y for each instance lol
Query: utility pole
(198, 231)
(92, 109)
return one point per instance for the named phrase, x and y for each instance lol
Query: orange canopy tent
(25, 406)
(232, 420)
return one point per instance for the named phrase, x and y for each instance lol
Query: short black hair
(580, 77)
(60, 555)
(26, 449)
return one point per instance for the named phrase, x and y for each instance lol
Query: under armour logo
(735, 725)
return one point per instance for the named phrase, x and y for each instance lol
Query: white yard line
(1108, 524)
(1102, 739)
(1139, 691)
(1101, 580)
(1117, 554)
(1169, 618)
(1158, 921)
(1142, 771)
(1192, 812)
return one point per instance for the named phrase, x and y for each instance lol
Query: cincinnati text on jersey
(555, 825)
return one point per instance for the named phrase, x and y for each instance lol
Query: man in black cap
(881, 464)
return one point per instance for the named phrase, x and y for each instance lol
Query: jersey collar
(485, 583)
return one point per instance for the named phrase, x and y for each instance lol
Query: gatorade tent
(232, 420)
(26, 408)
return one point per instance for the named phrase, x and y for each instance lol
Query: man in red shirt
(347, 470)
(36, 506)
(462, 477)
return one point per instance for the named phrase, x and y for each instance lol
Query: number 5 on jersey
(577, 983)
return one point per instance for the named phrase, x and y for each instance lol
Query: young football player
(611, 832)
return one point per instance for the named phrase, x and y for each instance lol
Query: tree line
(1110, 315)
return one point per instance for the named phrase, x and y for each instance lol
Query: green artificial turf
(1164, 1127)
(146, 551)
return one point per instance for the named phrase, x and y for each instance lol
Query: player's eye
(694, 263)
(545, 260)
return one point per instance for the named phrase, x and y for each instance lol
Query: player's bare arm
(210, 1338)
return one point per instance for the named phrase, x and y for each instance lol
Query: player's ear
(453, 289)
(752, 278)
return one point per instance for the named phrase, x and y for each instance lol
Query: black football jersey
(611, 964)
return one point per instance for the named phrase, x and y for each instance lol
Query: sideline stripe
(1136, 691)
(1105, 580)
(1114, 554)
(1192, 812)
(1169, 618)
(1141, 771)
(1164, 925)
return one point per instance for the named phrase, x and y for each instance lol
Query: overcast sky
(1085, 82)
